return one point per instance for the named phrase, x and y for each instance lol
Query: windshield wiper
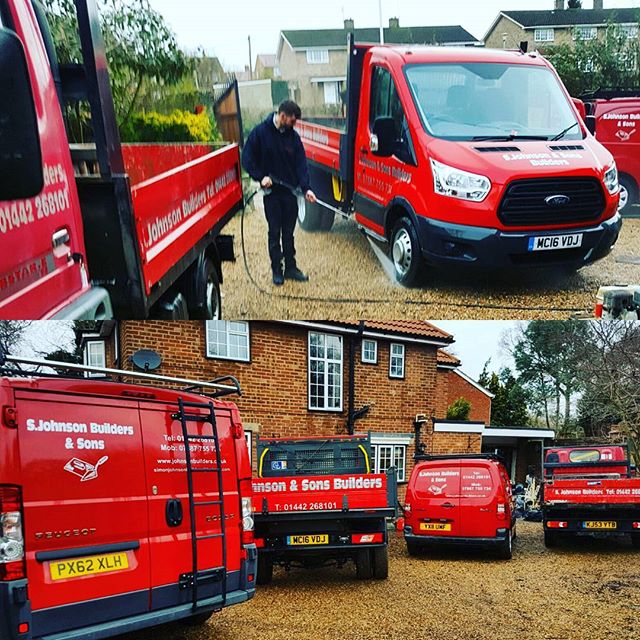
(564, 132)
(508, 137)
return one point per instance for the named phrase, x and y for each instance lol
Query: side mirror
(384, 128)
(21, 173)
(590, 122)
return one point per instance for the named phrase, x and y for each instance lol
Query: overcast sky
(222, 28)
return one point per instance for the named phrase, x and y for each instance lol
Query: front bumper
(448, 244)
(93, 304)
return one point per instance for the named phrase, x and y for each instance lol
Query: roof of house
(267, 59)
(304, 39)
(446, 358)
(572, 17)
(416, 328)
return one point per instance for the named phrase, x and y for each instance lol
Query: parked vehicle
(461, 499)
(317, 503)
(88, 231)
(464, 157)
(109, 522)
(615, 122)
(590, 490)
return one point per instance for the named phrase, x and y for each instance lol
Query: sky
(222, 29)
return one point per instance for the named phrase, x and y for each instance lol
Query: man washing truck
(274, 157)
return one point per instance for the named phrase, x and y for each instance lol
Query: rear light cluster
(247, 511)
(636, 525)
(502, 510)
(557, 524)
(367, 538)
(11, 538)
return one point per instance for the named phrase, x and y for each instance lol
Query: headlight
(456, 183)
(611, 179)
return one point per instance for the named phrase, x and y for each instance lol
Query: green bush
(459, 410)
(179, 126)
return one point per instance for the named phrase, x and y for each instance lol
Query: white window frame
(544, 35)
(630, 30)
(579, 33)
(392, 356)
(393, 448)
(228, 331)
(331, 92)
(326, 362)
(86, 360)
(588, 67)
(375, 351)
(317, 56)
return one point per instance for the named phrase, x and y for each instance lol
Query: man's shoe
(278, 280)
(296, 274)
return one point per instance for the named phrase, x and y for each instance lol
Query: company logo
(558, 200)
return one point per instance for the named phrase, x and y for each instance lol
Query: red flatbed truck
(91, 231)
(463, 157)
(317, 503)
(590, 490)
(108, 522)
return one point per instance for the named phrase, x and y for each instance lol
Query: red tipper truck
(106, 516)
(88, 231)
(464, 157)
(615, 118)
(590, 490)
(317, 503)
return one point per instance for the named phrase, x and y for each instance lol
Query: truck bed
(321, 143)
(583, 491)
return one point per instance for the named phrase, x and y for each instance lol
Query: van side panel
(85, 513)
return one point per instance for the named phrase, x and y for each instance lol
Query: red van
(104, 519)
(460, 499)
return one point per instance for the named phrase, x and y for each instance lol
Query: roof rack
(216, 385)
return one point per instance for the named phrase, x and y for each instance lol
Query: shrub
(459, 410)
(179, 126)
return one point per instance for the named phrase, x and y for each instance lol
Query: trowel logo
(84, 470)
(437, 489)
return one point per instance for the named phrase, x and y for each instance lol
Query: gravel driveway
(589, 591)
(342, 264)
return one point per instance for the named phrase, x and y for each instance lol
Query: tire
(380, 557)
(413, 549)
(313, 217)
(628, 193)
(207, 302)
(635, 540)
(364, 565)
(174, 307)
(551, 539)
(405, 252)
(197, 620)
(505, 548)
(265, 569)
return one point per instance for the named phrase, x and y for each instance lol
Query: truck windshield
(477, 101)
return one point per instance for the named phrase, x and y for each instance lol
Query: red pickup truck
(122, 506)
(89, 231)
(590, 490)
(317, 503)
(464, 157)
(615, 116)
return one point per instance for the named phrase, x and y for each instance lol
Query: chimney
(394, 23)
(559, 5)
(349, 24)
(598, 4)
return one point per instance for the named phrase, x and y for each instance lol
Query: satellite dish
(146, 359)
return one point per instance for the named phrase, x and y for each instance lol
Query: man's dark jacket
(279, 154)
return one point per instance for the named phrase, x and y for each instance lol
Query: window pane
(325, 371)
(227, 339)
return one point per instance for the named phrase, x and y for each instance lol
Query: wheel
(550, 539)
(413, 549)
(505, 548)
(265, 569)
(174, 307)
(207, 302)
(197, 620)
(628, 193)
(364, 566)
(405, 252)
(635, 540)
(313, 217)
(380, 557)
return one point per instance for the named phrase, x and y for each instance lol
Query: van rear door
(85, 509)
(169, 516)
(437, 499)
(479, 491)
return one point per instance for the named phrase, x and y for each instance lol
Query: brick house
(317, 378)
(543, 28)
(314, 61)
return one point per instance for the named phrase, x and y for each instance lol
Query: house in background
(266, 67)
(542, 28)
(314, 61)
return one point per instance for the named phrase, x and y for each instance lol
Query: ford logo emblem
(557, 201)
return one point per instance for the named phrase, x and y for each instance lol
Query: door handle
(364, 151)
(448, 505)
(173, 512)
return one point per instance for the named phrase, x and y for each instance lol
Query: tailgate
(178, 208)
(584, 491)
(321, 144)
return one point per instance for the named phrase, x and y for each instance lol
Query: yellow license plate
(319, 538)
(435, 526)
(600, 524)
(88, 566)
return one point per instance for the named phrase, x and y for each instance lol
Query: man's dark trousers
(281, 211)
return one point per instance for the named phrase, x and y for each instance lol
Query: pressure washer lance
(297, 192)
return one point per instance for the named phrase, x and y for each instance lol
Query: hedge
(179, 126)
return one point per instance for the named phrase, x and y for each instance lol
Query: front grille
(523, 203)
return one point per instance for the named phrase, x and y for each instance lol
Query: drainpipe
(354, 415)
